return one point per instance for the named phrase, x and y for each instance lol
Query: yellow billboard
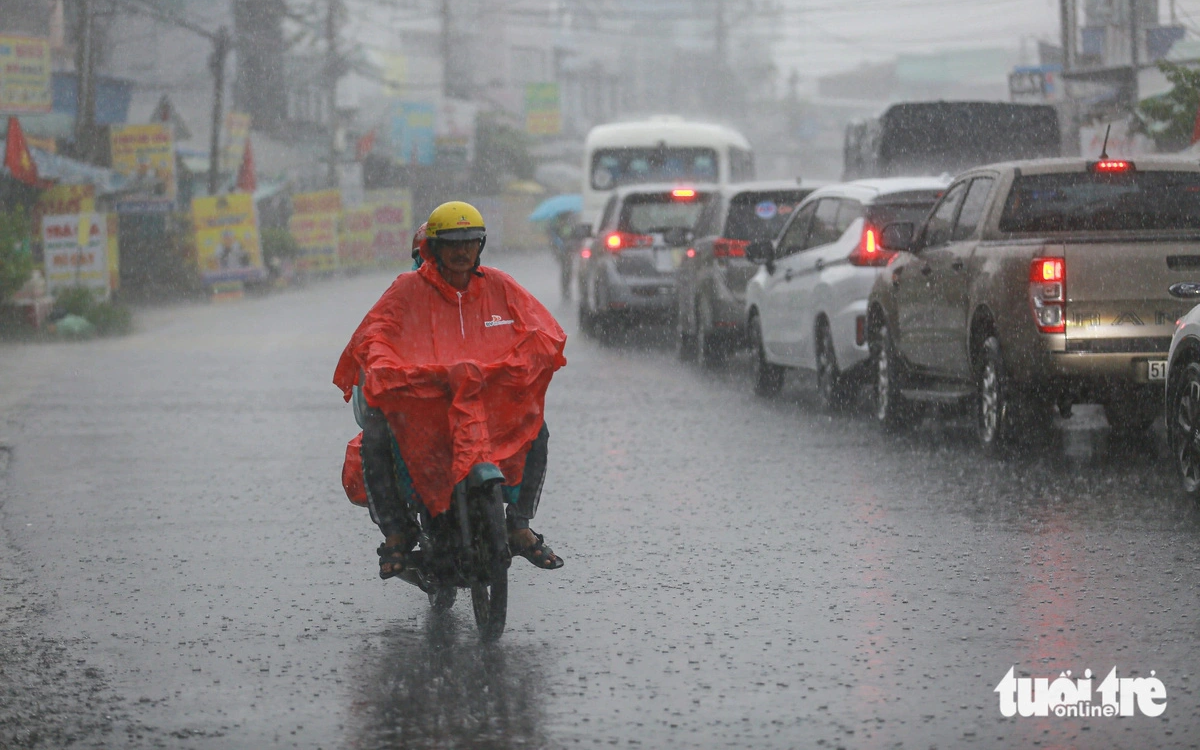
(145, 154)
(24, 75)
(543, 116)
(227, 243)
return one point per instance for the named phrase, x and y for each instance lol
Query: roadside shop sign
(542, 113)
(25, 75)
(456, 132)
(314, 225)
(235, 133)
(145, 154)
(64, 199)
(350, 182)
(355, 238)
(80, 250)
(227, 242)
(412, 133)
(392, 221)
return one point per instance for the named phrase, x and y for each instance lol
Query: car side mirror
(581, 231)
(761, 252)
(899, 237)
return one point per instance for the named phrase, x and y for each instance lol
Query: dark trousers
(390, 493)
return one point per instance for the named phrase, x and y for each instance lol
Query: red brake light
(869, 252)
(1047, 270)
(691, 253)
(683, 193)
(1113, 165)
(1048, 294)
(585, 253)
(724, 247)
(618, 241)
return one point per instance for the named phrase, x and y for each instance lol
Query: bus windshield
(612, 168)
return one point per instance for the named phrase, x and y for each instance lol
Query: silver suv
(628, 266)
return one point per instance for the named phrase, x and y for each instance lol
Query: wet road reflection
(442, 687)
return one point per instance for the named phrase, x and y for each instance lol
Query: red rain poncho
(461, 376)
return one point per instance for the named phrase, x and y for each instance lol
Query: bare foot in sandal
(532, 546)
(393, 555)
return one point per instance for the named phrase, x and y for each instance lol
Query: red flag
(1196, 127)
(246, 181)
(365, 145)
(17, 157)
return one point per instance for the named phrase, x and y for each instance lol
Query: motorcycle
(467, 547)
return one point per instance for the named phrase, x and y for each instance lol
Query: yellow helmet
(456, 221)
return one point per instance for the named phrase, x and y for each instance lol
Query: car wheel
(892, 411)
(768, 378)
(587, 318)
(833, 387)
(1132, 415)
(1183, 427)
(711, 349)
(685, 338)
(997, 409)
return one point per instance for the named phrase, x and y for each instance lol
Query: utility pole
(216, 64)
(85, 88)
(447, 86)
(331, 73)
(721, 55)
(1134, 62)
(1066, 14)
(721, 35)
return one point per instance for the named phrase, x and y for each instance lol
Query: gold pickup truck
(1038, 284)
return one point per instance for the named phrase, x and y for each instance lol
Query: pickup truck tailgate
(1118, 297)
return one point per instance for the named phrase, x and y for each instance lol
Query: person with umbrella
(559, 215)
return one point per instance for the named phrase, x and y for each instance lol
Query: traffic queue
(1009, 294)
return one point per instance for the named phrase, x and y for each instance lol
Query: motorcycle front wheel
(489, 590)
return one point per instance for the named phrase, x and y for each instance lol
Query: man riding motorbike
(448, 369)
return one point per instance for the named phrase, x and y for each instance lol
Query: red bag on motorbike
(461, 376)
(352, 472)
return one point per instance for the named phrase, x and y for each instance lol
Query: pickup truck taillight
(869, 252)
(615, 242)
(723, 247)
(1048, 294)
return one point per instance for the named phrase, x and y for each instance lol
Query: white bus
(661, 149)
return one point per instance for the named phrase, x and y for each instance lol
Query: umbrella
(559, 204)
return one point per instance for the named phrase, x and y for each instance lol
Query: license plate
(666, 261)
(1157, 369)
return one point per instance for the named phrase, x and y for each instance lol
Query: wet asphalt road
(181, 567)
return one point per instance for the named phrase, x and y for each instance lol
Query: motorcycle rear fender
(482, 475)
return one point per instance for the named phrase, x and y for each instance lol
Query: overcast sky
(825, 36)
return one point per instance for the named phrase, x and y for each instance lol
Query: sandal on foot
(540, 554)
(395, 556)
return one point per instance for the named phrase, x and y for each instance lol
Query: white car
(1182, 413)
(806, 307)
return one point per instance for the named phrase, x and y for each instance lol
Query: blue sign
(413, 132)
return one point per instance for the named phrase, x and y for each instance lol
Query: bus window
(741, 165)
(612, 168)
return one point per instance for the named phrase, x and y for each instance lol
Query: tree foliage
(16, 263)
(1171, 117)
(501, 153)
